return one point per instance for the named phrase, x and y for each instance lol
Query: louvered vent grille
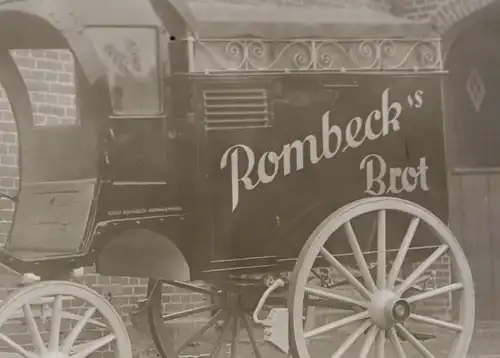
(227, 109)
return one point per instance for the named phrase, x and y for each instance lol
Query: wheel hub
(387, 309)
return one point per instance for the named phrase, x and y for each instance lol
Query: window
(131, 58)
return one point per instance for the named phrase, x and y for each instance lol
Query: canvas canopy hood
(221, 20)
(270, 38)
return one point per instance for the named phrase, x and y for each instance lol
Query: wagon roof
(223, 20)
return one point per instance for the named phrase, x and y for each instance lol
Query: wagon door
(138, 159)
(58, 157)
(137, 126)
(236, 116)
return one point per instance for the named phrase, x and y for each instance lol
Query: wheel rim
(97, 313)
(382, 307)
(234, 337)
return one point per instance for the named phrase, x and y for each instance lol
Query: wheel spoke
(369, 341)
(398, 348)
(381, 250)
(75, 332)
(332, 296)
(220, 341)
(236, 334)
(251, 335)
(416, 284)
(75, 317)
(381, 344)
(33, 330)
(436, 322)
(321, 303)
(79, 347)
(201, 331)
(16, 347)
(352, 339)
(439, 291)
(55, 329)
(337, 324)
(421, 269)
(344, 272)
(93, 346)
(403, 250)
(172, 316)
(414, 342)
(358, 255)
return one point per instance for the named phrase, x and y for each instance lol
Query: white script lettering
(356, 133)
(400, 179)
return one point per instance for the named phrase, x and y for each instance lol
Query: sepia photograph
(249, 179)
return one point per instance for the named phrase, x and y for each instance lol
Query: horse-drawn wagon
(232, 145)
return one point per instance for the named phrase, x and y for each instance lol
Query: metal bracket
(276, 323)
(272, 287)
(276, 331)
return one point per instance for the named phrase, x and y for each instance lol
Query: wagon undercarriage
(200, 163)
(382, 303)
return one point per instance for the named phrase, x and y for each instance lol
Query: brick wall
(418, 9)
(442, 13)
(49, 78)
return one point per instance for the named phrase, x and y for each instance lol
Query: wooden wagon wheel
(224, 329)
(98, 314)
(383, 310)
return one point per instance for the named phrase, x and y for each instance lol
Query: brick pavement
(485, 344)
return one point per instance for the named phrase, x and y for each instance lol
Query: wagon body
(232, 162)
(325, 141)
(266, 139)
(246, 211)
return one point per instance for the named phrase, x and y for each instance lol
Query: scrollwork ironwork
(427, 53)
(216, 55)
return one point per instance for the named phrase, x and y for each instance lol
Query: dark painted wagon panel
(287, 178)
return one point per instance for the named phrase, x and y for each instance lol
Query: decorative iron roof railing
(207, 56)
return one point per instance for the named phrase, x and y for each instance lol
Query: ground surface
(485, 344)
